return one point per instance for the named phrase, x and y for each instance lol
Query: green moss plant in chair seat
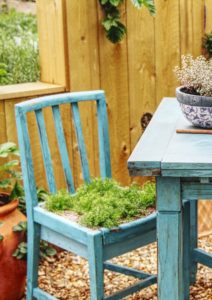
(104, 203)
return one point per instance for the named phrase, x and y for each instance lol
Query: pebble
(67, 277)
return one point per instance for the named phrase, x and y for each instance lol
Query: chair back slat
(103, 134)
(63, 148)
(26, 162)
(81, 143)
(54, 102)
(45, 150)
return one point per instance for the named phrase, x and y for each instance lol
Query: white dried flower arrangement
(195, 75)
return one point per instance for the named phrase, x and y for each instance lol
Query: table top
(163, 152)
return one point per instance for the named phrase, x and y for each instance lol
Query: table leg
(169, 235)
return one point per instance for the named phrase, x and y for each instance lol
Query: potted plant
(195, 94)
(12, 271)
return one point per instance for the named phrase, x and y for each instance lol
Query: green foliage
(207, 44)
(41, 195)
(46, 250)
(21, 252)
(18, 48)
(149, 4)
(9, 176)
(21, 227)
(104, 203)
(115, 30)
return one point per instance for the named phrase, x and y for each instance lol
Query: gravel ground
(66, 276)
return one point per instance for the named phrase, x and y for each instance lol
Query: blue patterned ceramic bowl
(196, 109)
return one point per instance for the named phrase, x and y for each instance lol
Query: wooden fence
(136, 74)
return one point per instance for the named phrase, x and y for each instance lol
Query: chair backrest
(54, 102)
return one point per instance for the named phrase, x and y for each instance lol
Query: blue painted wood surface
(45, 151)
(81, 142)
(63, 148)
(97, 246)
(182, 164)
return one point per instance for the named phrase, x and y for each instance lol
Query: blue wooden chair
(97, 246)
(192, 255)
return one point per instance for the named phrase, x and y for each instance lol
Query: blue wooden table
(182, 165)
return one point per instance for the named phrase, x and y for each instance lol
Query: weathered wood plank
(129, 230)
(126, 271)
(141, 67)
(3, 133)
(185, 151)
(51, 16)
(167, 46)
(42, 295)
(202, 257)
(83, 47)
(157, 135)
(133, 289)
(170, 283)
(61, 225)
(95, 258)
(124, 246)
(104, 143)
(63, 148)
(208, 13)
(23, 90)
(168, 194)
(186, 26)
(114, 80)
(194, 191)
(45, 151)
(198, 26)
(63, 242)
(81, 142)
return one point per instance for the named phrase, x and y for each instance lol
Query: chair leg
(193, 238)
(33, 248)
(186, 249)
(96, 270)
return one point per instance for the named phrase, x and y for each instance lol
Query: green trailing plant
(104, 203)
(21, 252)
(18, 48)
(115, 30)
(207, 44)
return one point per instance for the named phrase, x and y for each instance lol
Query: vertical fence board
(3, 135)
(198, 26)
(114, 80)
(186, 26)
(141, 68)
(52, 41)
(167, 44)
(84, 71)
(208, 16)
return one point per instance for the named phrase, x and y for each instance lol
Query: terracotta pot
(12, 270)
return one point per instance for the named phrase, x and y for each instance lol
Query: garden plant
(115, 30)
(12, 271)
(18, 48)
(104, 203)
(195, 94)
